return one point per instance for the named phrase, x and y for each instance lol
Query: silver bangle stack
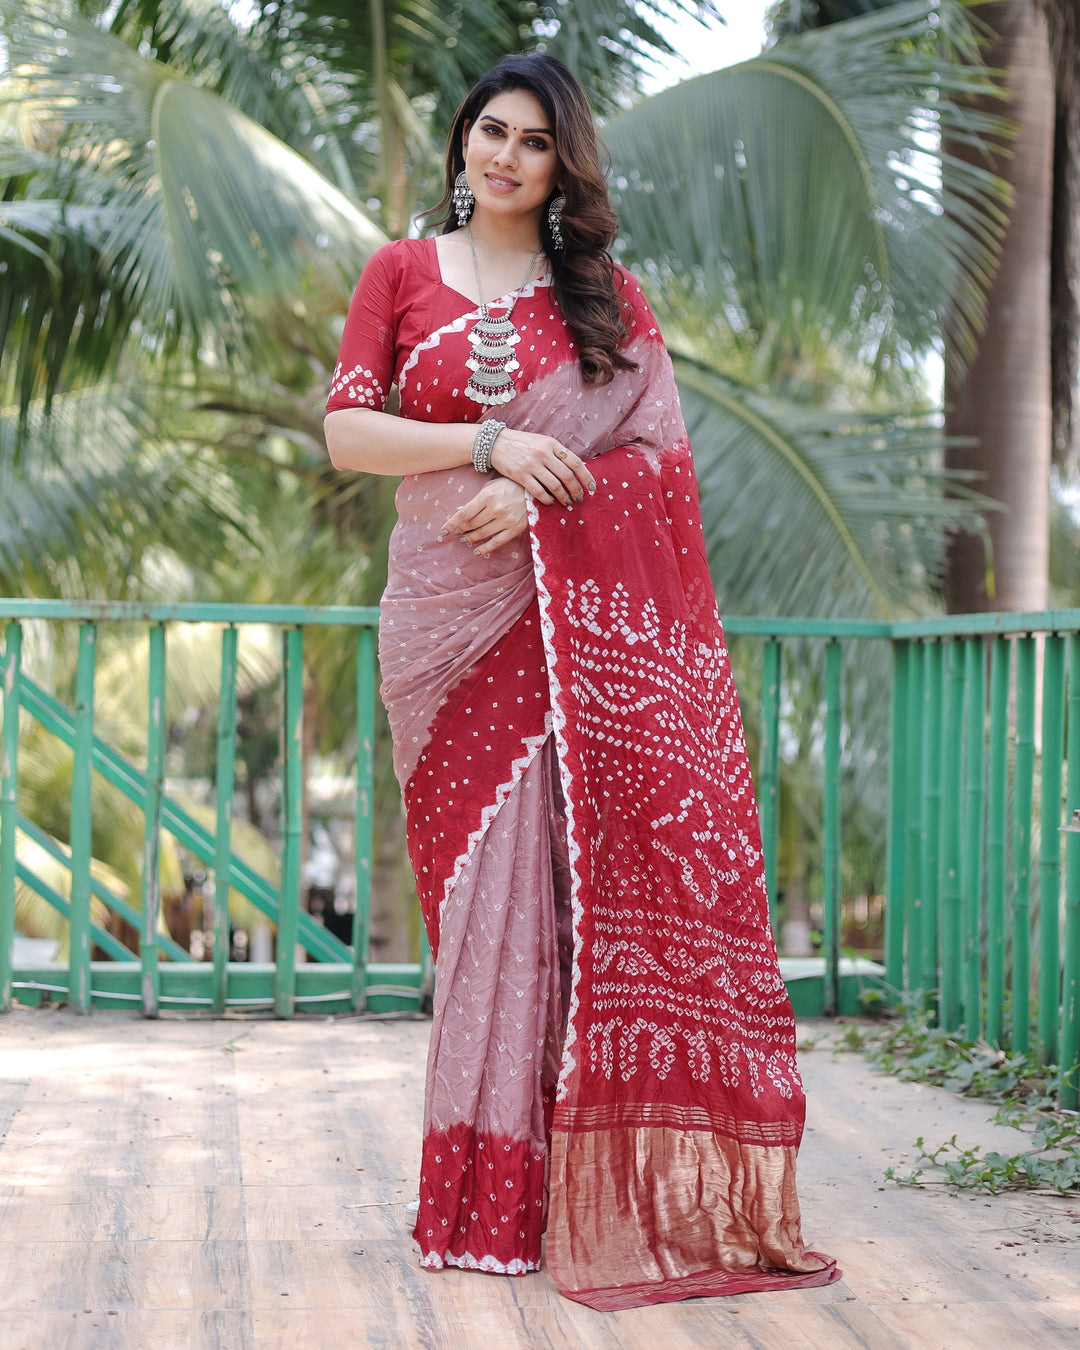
(484, 443)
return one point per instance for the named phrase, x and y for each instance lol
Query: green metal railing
(337, 976)
(970, 787)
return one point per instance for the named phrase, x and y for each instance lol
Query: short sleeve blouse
(399, 302)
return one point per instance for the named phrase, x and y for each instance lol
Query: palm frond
(608, 44)
(441, 50)
(204, 40)
(200, 216)
(51, 497)
(807, 190)
(862, 487)
(87, 489)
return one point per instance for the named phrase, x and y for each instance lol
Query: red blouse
(402, 309)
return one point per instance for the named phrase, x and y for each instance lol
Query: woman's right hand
(544, 468)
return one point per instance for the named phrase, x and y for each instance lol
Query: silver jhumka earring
(463, 199)
(554, 220)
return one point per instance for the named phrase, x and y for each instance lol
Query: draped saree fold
(612, 1058)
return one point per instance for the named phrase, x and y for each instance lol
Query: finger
(547, 486)
(497, 541)
(485, 532)
(464, 518)
(479, 534)
(478, 519)
(582, 472)
(454, 524)
(536, 488)
(574, 474)
(557, 488)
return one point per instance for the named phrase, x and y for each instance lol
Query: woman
(612, 1055)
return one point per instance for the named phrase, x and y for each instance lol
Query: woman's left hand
(495, 515)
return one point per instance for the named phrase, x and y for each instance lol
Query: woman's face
(510, 158)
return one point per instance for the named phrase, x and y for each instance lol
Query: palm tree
(1011, 411)
(1015, 404)
(1000, 404)
(800, 281)
(178, 253)
(135, 217)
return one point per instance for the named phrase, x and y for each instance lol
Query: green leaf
(863, 487)
(804, 197)
(185, 218)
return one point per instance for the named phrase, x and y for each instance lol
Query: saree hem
(487, 1265)
(481, 1191)
(709, 1284)
(686, 1212)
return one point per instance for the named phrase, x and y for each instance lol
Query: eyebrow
(526, 131)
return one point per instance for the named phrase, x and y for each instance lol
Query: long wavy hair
(584, 280)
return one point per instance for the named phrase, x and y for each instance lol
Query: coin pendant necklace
(492, 361)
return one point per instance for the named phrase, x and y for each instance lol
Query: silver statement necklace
(492, 360)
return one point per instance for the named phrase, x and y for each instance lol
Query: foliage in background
(798, 327)
(916, 1050)
(801, 324)
(788, 18)
(399, 69)
(188, 192)
(135, 222)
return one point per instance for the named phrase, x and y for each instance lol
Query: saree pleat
(495, 1042)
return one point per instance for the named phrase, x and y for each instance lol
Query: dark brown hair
(584, 281)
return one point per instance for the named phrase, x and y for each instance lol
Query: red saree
(612, 1052)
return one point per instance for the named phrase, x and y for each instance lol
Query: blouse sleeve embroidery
(365, 368)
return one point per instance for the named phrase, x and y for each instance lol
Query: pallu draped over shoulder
(612, 1057)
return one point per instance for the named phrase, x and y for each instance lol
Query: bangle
(485, 441)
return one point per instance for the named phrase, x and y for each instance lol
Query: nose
(506, 152)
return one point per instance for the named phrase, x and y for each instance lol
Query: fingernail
(444, 534)
(592, 487)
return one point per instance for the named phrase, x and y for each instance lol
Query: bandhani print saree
(612, 1058)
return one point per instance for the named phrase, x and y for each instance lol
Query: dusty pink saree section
(466, 686)
(487, 845)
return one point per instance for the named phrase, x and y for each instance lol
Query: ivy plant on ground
(1027, 1092)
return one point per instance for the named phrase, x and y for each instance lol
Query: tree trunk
(1003, 402)
(1065, 278)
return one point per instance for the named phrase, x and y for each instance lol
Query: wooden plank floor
(241, 1185)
